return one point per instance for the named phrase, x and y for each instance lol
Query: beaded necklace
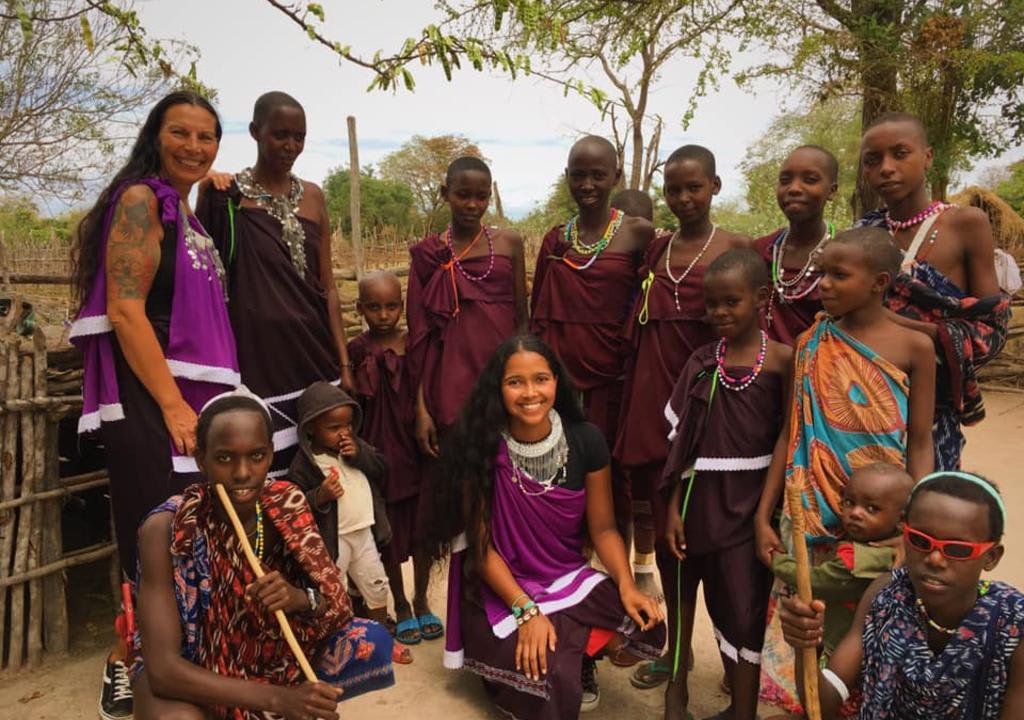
(782, 288)
(282, 208)
(455, 262)
(693, 263)
(572, 238)
(544, 461)
(258, 548)
(734, 384)
(202, 253)
(983, 587)
(457, 258)
(895, 226)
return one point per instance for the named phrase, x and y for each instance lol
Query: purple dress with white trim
(540, 535)
(185, 307)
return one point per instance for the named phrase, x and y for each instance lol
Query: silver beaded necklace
(544, 461)
(284, 209)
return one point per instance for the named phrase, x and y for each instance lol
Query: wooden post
(37, 451)
(497, 203)
(16, 657)
(809, 656)
(354, 211)
(9, 385)
(55, 606)
(5, 270)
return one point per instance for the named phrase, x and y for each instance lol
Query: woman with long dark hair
(525, 485)
(152, 325)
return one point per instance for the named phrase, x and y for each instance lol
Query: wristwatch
(314, 599)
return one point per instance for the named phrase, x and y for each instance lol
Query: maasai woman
(210, 644)
(272, 231)
(806, 184)
(467, 293)
(530, 483)
(947, 287)
(152, 326)
(586, 279)
(932, 640)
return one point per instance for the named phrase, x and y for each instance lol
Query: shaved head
(379, 281)
(597, 145)
(901, 118)
(269, 102)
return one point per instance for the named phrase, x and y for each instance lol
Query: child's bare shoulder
(637, 233)
(969, 223)
(508, 241)
(734, 240)
(778, 357)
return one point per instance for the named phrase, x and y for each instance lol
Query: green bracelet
(516, 610)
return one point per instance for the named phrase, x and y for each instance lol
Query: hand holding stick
(254, 563)
(812, 703)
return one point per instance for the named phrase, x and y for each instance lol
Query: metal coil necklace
(693, 263)
(282, 208)
(544, 461)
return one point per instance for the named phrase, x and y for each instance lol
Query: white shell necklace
(693, 263)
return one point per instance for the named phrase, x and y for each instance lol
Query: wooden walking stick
(812, 703)
(254, 563)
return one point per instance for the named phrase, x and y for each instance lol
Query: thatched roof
(1007, 225)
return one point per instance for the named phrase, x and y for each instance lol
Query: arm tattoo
(132, 259)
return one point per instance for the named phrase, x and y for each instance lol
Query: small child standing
(387, 395)
(339, 473)
(871, 512)
(730, 401)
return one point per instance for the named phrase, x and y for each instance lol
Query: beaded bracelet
(516, 610)
(530, 611)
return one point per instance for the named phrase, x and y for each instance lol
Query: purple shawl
(540, 538)
(201, 348)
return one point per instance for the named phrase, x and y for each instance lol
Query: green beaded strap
(231, 224)
(645, 288)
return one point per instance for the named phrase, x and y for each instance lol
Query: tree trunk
(875, 26)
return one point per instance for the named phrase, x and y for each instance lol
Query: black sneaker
(116, 697)
(591, 691)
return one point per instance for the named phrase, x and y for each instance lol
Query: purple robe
(455, 324)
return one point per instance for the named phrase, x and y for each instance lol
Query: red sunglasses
(951, 549)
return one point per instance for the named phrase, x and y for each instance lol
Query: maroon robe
(581, 314)
(738, 426)
(387, 395)
(455, 324)
(661, 348)
(789, 319)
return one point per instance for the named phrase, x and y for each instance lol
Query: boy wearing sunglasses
(934, 640)
(871, 509)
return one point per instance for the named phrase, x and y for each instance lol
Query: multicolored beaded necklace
(734, 384)
(983, 586)
(455, 262)
(693, 263)
(572, 238)
(258, 547)
(895, 226)
(782, 289)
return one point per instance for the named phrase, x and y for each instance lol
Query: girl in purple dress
(529, 486)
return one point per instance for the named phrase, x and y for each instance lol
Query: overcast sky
(524, 126)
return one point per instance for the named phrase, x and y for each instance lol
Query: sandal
(622, 657)
(400, 655)
(408, 632)
(430, 626)
(650, 675)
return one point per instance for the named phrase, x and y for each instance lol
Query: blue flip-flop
(430, 619)
(407, 625)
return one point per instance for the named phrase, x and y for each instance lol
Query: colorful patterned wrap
(902, 678)
(224, 632)
(850, 408)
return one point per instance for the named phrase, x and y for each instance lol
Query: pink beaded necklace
(734, 384)
(895, 226)
(456, 258)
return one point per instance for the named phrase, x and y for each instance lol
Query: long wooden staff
(254, 563)
(812, 703)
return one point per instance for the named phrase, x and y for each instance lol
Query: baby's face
(872, 506)
(331, 428)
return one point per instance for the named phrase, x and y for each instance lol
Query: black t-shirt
(588, 452)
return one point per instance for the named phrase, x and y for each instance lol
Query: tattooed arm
(133, 255)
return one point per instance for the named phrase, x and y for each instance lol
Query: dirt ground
(67, 688)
